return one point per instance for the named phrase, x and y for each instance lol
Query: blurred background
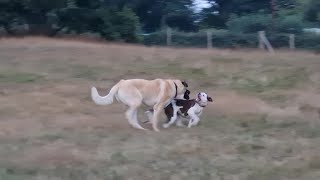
(263, 124)
(233, 23)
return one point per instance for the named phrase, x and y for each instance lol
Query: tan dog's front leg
(157, 109)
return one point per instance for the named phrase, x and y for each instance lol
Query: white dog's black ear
(209, 99)
(184, 83)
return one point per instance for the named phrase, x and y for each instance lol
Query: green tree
(154, 14)
(221, 10)
(118, 24)
(250, 23)
(312, 12)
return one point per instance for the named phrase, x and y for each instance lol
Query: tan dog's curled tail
(104, 100)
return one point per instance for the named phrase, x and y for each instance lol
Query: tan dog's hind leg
(132, 98)
(157, 109)
(131, 115)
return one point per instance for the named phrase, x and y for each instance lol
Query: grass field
(263, 124)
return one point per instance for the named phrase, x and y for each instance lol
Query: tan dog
(157, 93)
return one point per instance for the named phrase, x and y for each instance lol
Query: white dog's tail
(104, 100)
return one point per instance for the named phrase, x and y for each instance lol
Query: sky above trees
(200, 4)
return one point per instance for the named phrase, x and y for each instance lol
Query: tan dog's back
(135, 92)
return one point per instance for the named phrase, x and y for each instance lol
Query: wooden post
(169, 34)
(260, 34)
(209, 39)
(265, 41)
(292, 41)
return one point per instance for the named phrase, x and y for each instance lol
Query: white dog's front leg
(190, 122)
(194, 120)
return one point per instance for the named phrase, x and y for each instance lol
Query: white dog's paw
(191, 123)
(166, 125)
(149, 115)
(179, 124)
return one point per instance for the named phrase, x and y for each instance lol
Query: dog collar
(200, 104)
(175, 85)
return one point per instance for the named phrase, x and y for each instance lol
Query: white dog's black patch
(187, 108)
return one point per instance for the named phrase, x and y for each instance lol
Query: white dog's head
(203, 97)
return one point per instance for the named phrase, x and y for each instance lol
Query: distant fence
(226, 39)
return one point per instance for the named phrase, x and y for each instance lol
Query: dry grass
(263, 124)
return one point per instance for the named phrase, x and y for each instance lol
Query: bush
(249, 23)
(18, 26)
(127, 24)
(227, 39)
(308, 41)
(312, 12)
(118, 25)
(303, 41)
(65, 17)
(220, 39)
(290, 24)
(3, 31)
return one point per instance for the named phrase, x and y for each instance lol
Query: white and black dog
(190, 109)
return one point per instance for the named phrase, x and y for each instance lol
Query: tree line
(124, 20)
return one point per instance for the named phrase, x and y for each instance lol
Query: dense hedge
(94, 18)
(227, 39)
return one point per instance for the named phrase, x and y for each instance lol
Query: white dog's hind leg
(174, 117)
(172, 120)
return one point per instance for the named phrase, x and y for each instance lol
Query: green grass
(226, 60)
(228, 143)
(79, 71)
(87, 72)
(18, 77)
(245, 148)
(275, 98)
(16, 174)
(314, 163)
(51, 137)
(183, 72)
(308, 132)
(287, 171)
(282, 81)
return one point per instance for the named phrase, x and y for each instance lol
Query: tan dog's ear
(186, 95)
(185, 84)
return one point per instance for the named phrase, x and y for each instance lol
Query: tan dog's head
(182, 88)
